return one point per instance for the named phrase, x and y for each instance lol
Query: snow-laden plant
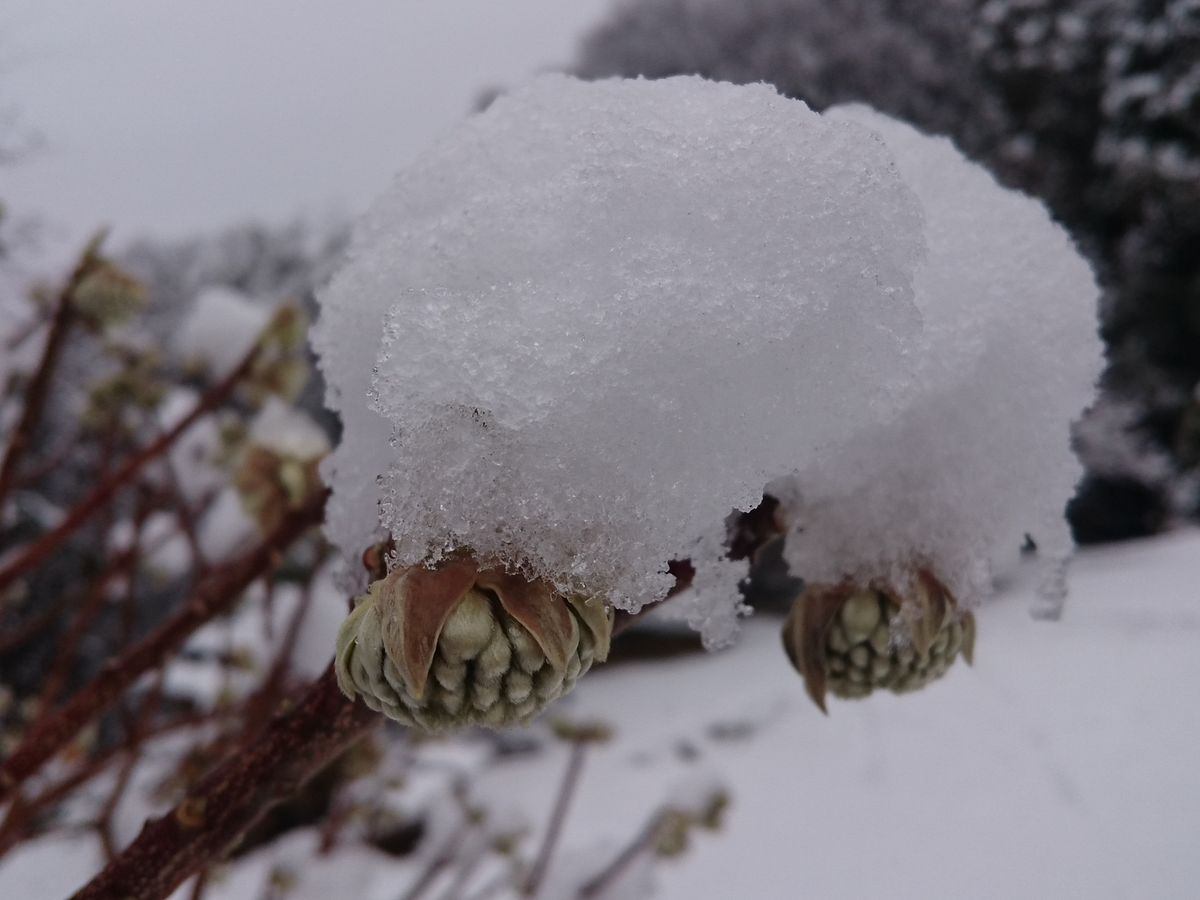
(598, 317)
(586, 327)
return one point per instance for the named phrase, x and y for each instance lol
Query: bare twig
(215, 815)
(22, 813)
(39, 387)
(213, 596)
(623, 860)
(199, 885)
(135, 730)
(37, 551)
(558, 817)
(25, 631)
(437, 865)
(85, 615)
(257, 708)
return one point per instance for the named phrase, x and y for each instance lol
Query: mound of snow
(599, 316)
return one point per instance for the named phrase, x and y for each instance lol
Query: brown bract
(459, 644)
(848, 640)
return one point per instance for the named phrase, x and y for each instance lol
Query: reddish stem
(558, 818)
(37, 551)
(214, 595)
(219, 811)
(39, 387)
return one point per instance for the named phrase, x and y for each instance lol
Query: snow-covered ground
(1063, 765)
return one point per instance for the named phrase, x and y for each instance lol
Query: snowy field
(1062, 765)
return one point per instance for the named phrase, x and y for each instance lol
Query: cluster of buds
(280, 368)
(679, 820)
(850, 641)
(271, 483)
(461, 645)
(108, 296)
(137, 387)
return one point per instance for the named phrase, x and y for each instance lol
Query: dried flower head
(271, 483)
(459, 645)
(849, 641)
(280, 369)
(137, 387)
(108, 296)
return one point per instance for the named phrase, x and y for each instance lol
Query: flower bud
(271, 484)
(443, 648)
(136, 387)
(849, 641)
(108, 296)
(280, 369)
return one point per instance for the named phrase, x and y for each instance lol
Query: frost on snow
(597, 317)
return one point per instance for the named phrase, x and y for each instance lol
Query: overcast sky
(164, 117)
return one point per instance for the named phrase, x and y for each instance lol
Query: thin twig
(200, 884)
(437, 865)
(23, 632)
(216, 814)
(53, 460)
(135, 736)
(558, 817)
(22, 813)
(39, 387)
(85, 615)
(623, 860)
(213, 596)
(262, 702)
(37, 551)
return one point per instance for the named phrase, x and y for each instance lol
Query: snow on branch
(599, 316)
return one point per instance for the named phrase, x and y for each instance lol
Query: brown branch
(215, 815)
(89, 609)
(437, 865)
(13, 342)
(214, 595)
(52, 461)
(22, 813)
(258, 705)
(641, 843)
(37, 551)
(22, 632)
(135, 735)
(39, 387)
(558, 817)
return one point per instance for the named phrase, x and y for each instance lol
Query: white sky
(165, 117)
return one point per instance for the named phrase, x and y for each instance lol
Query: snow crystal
(220, 329)
(599, 316)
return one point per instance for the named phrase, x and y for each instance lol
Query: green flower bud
(850, 641)
(137, 387)
(271, 484)
(108, 296)
(280, 369)
(443, 648)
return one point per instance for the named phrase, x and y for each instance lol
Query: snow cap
(597, 317)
